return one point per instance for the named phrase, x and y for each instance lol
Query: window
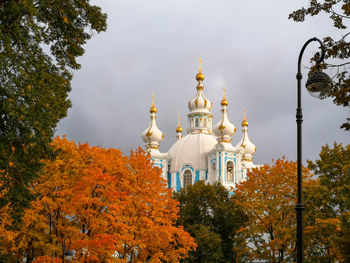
(205, 122)
(196, 122)
(187, 178)
(230, 172)
(213, 173)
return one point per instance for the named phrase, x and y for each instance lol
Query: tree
(103, 206)
(321, 230)
(328, 206)
(268, 198)
(210, 215)
(336, 49)
(39, 44)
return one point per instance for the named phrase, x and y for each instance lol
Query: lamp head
(318, 84)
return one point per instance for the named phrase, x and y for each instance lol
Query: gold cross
(200, 64)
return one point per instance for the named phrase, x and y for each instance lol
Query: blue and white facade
(206, 151)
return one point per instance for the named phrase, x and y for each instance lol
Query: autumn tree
(210, 215)
(337, 47)
(328, 206)
(102, 206)
(39, 44)
(268, 198)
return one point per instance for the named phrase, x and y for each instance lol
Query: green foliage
(327, 214)
(338, 49)
(39, 44)
(210, 245)
(210, 215)
(333, 169)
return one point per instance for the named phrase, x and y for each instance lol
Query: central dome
(193, 150)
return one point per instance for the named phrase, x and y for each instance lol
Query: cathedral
(206, 151)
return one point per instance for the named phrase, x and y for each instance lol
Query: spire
(224, 102)
(244, 122)
(199, 76)
(200, 117)
(153, 108)
(200, 64)
(245, 143)
(224, 129)
(152, 136)
(178, 129)
(200, 102)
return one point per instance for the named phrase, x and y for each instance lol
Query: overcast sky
(248, 46)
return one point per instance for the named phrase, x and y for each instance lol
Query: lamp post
(317, 85)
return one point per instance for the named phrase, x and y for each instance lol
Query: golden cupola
(200, 103)
(200, 117)
(248, 147)
(224, 129)
(152, 136)
(178, 129)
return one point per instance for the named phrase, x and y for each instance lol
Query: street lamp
(317, 85)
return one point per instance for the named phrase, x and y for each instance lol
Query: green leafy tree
(268, 197)
(211, 216)
(39, 44)
(328, 206)
(337, 49)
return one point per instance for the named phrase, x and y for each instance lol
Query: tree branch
(337, 65)
(335, 13)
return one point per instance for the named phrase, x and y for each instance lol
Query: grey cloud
(153, 46)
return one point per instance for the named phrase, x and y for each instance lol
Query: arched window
(196, 122)
(187, 178)
(213, 173)
(205, 122)
(230, 172)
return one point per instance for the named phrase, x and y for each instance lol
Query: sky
(249, 47)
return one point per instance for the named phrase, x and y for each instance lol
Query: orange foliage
(322, 232)
(268, 196)
(103, 206)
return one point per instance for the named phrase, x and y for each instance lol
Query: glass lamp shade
(318, 84)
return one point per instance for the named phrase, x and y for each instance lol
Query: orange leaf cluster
(102, 206)
(268, 196)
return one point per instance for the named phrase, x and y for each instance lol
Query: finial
(178, 129)
(153, 108)
(200, 76)
(244, 122)
(224, 101)
(200, 64)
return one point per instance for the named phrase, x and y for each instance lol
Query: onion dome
(224, 130)
(152, 136)
(178, 129)
(191, 149)
(248, 147)
(200, 103)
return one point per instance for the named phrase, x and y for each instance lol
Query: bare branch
(335, 13)
(343, 37)
(337, 65)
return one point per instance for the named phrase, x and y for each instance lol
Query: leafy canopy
(210, 215)
(39, 44)
(268, 198)
(337, 49)
(103, 206)
(328, 206)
